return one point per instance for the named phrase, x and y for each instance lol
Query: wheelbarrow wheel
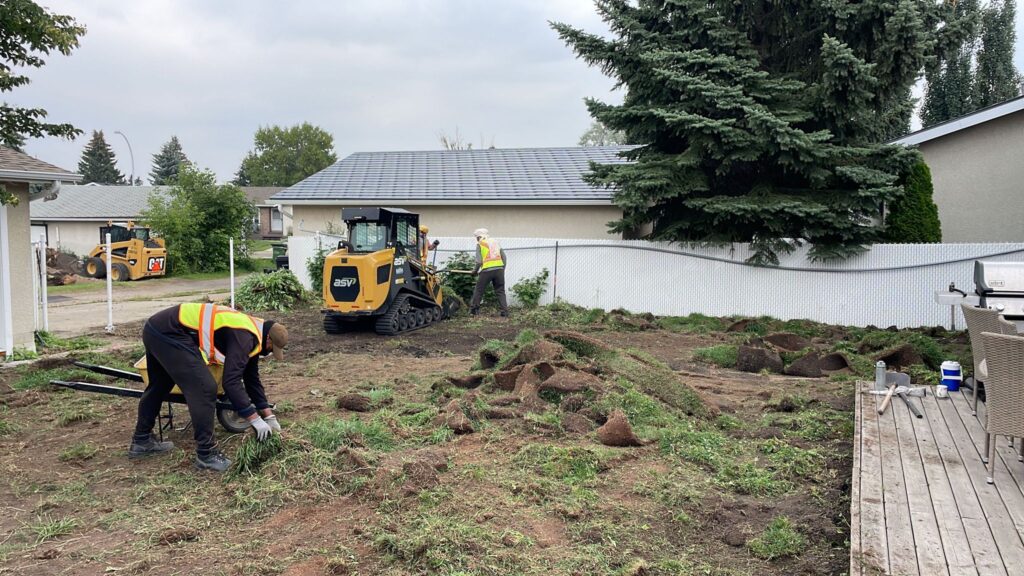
(231, 421)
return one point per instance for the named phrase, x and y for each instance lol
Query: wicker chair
(1004, 399)
(1008, 328)
(979, 320)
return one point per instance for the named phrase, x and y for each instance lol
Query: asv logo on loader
(344, 282)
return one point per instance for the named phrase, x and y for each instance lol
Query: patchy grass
(694, 323)
(722, 355)
(253, 454)
(7, 428)
(77, 409)
(792, 462)
(52, 343)
(78, 452)
(329, 434)
(779, 540)
(573, 465)
(812, 424)
(46, 528)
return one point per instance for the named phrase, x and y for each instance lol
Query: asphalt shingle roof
(94, 202)
(514, 174)
(14, 161)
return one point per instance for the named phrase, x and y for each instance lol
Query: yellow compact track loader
(379, 275)
(135, 254)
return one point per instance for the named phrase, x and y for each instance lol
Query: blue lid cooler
(951, 375)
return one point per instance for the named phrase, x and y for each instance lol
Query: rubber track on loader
(390, 323)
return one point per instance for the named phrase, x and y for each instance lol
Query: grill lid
(998, 277)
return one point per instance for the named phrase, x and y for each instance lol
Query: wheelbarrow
(226, 414)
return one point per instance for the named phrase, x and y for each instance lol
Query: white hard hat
(480, 233)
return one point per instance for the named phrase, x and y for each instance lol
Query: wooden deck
(919, 500)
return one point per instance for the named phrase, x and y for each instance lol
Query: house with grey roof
(23, 179)
(518, 192)
(977, 165)
(71, 220)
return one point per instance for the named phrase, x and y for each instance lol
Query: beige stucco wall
(586, 222)
(77, 237)
(978, 174)
(20, 267)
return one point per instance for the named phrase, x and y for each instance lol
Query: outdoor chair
(1004, 391)
(979, 320)
(1008, 328)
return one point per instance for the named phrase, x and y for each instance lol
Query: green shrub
(198, 217)
(529, 290)
(278, 290)
(462, 285)
(315, 267)
(914, 218)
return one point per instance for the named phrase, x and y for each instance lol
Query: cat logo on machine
(344, 282)
(155, 264)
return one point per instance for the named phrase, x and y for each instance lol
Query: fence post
(110, 290)
(42, 282)
(554, 281)
(231, 266)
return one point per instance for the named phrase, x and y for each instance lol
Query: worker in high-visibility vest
(181, 342)
(424, 247)
(490, 267)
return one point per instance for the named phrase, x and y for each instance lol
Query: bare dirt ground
(393, 491)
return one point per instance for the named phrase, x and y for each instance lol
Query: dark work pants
(491, 275)
(171, 361)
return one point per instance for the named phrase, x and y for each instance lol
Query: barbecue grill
(1000, 287)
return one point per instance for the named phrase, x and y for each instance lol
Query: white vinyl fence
(892, 284)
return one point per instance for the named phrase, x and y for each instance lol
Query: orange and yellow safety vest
(490, 254)
(206, 319)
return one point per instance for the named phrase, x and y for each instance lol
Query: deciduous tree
(198, 218)
(28, 32)
(284, 156)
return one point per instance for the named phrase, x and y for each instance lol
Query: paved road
(77, 313)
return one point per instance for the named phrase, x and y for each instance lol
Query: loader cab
(374, 229)
(123, 233)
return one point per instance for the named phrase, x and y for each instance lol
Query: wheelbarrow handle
(107, 371)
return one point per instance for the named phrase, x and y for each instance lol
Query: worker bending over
(490, 265)
(180, 343)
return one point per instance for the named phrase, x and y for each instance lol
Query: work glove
(273, 423)
(262, 429)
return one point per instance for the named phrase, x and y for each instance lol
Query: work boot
(148, 447)
(213, 461)
(474, 311)
(504, 313)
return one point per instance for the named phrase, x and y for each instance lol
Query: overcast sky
(376, 74)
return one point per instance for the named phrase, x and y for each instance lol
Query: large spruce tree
(167, 163)
(98, 163)
(759, 122)
(997, 79)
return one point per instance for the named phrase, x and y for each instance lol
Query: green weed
(778, 540)
(46, 527)
(57, 344)
(747, 478)
(7, 427)
(75, 410)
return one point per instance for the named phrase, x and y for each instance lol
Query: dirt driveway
(76, 313)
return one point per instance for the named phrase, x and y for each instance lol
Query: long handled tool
(888, 397)
(910, 405)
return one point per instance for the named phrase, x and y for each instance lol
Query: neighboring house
(271, 223)
(977, 165)
(26, 178)
(72, 220)
(525, 192)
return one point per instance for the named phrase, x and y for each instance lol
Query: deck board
(919, 500)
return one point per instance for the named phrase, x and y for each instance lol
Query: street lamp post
(131, 179)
